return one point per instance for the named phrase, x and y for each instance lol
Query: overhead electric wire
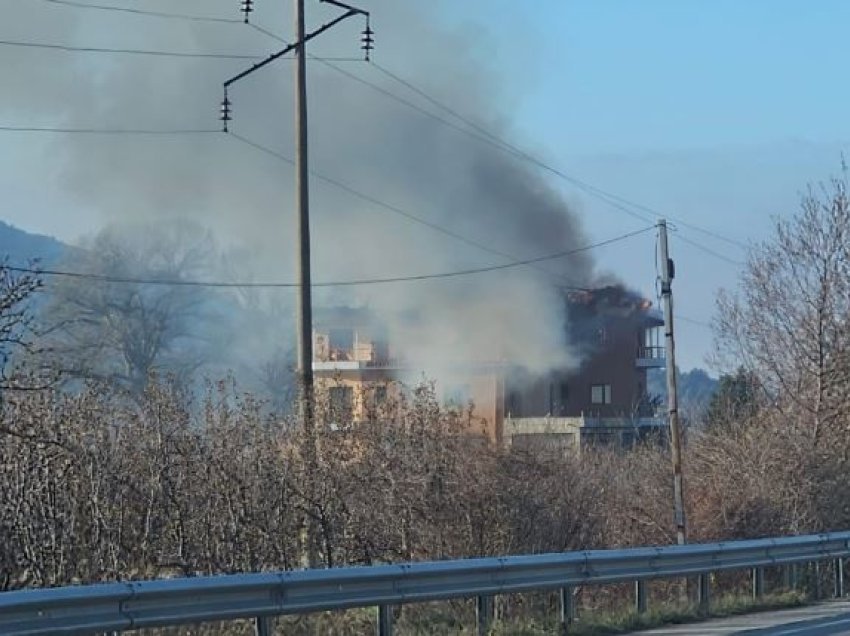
(542, 164)
(693, 321)
(483, 134)
(147, 12)
(344, 283)
(397, 210)
(709, 251)
(480, 133)
(122, 51)
(109, 131)
(538, 162)
(330, 180)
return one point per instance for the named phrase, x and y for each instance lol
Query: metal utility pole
(304, 317)
(667, 275)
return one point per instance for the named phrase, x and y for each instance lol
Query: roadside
(822, 619)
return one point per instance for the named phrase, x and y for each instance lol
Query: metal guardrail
(117, 607)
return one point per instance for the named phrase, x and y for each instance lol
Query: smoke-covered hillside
(21, 248)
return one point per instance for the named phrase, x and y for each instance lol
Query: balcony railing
(651, 356)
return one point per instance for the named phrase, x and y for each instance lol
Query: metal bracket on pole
(350, 12)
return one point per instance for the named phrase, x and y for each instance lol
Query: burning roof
(612, 300)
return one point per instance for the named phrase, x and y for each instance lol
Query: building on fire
(603, 401)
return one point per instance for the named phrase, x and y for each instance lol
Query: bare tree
(789, 323)
(124, 331)
(19, 342)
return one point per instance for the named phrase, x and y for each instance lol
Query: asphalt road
(826, 619)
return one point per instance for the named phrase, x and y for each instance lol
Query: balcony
(651, 357)
(360, 357)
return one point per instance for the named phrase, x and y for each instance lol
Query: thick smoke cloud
(358, 136)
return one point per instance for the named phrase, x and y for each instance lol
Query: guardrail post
(704, 593)
(839, 577)
(567, 609)
(483, 610)
(385, 620)
(640, 597)
(758, 583)
(263, 626)
(818, 587)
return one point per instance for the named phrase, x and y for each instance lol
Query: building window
(341, 401)
(380, 395)
(600, 394)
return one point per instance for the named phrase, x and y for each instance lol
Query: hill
(21, 248)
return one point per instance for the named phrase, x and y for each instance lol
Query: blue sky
(716, 113)
(638, 76)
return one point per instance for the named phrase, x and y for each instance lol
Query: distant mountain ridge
(20, 248)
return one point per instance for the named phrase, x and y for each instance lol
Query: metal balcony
(650, 357)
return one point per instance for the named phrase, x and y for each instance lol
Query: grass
(630, 621)
(434, 622)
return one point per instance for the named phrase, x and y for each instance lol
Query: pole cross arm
(348, 7)
(291, 47)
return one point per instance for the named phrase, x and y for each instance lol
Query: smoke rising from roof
(357, 135)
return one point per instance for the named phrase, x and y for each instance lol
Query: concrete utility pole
(304, 316)
(667, 274)
(304, 328)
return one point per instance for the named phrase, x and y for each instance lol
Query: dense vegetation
(105, 480)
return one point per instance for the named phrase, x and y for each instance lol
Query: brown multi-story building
(617, 337)
(603, 400)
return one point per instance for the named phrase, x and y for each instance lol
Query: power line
(709, 251)
(109, 131)
(540, 163)
(336, 183)
(157, 14)
(157, 53)
(392, 208)
(345, 283)
(693, 321)
(477, 133)
(484, 135)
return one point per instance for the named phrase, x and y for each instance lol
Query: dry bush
(99, 486)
